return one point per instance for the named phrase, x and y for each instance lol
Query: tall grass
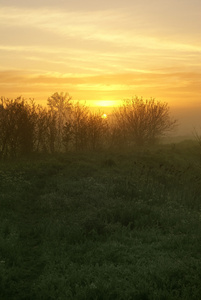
(102, 226)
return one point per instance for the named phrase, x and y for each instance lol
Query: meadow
(102, 225)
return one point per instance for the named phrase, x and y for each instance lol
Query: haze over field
(101, 51)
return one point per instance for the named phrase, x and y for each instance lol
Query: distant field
(102, 225)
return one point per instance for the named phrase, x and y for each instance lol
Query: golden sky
(101, 50)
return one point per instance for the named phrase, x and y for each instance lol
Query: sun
(104, 116)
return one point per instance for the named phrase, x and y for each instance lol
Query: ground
(102, 225)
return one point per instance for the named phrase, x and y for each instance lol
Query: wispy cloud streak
(100, 53)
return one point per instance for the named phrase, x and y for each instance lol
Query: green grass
(102, 226)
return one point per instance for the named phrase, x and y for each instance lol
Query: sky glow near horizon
(101, 51)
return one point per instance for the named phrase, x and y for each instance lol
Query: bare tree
(17, 125)
(197, 136)
(67, 135)
(79, 131)
(85, 130)
(41, 130)
(97, 129)
(143, 121)
(60, 110)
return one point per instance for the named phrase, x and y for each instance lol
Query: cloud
(101, 53)
(118, 86)
(99, 26)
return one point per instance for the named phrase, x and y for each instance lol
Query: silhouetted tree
(97, 130)
(79, 131)
(54, 133)
(41, 130)
(60, 110)
(197, 137)
(26, 127)
(17, 120)
(67, 136)
(4, 134)
(143, 121)
(85, 130)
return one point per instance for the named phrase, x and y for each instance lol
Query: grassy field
(102, 225)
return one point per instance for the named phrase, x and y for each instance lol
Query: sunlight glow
(95, 51)
(106, 103)
(104, 116)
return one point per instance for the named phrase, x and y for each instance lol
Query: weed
(96, 227)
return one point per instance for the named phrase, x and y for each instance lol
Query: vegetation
(62, 126)
(107, 225)
(197, 137)
(143, 122)
(90, 211)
